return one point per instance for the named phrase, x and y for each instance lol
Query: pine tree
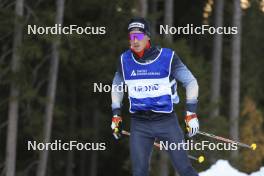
(252, 132)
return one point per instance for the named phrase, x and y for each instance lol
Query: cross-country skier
(148, 72)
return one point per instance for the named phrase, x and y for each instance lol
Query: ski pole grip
(116, 130)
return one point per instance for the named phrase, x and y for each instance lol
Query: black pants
(164, 127)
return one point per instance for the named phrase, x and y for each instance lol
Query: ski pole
(199, 159)
(253, 146)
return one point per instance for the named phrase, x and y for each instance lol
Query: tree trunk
(51, 92)
(14, 94)
(84, 123)
(168, 17)
(154, 9)
(217, 60)
(168, 20)
(94, 157)
(235, 76)
(83, 163)
(143, 8)
(72, 120)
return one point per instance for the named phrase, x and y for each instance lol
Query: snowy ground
(223, 168)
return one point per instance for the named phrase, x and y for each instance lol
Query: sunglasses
(138, 36)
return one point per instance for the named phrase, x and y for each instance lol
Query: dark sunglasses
(138, 36)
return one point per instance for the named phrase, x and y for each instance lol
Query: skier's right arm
(117, 90)
(117, 98)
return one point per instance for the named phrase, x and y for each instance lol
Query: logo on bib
(133, 73)
(144, 72)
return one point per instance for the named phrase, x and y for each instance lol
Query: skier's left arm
(182, 74)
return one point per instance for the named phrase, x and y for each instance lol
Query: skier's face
(138, 40)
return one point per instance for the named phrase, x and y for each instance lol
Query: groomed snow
(223, 168)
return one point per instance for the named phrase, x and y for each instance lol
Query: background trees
(51, 90)
(82, 115)
(235, 75)
(13, 109)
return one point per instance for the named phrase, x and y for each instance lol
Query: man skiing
(150, 73)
